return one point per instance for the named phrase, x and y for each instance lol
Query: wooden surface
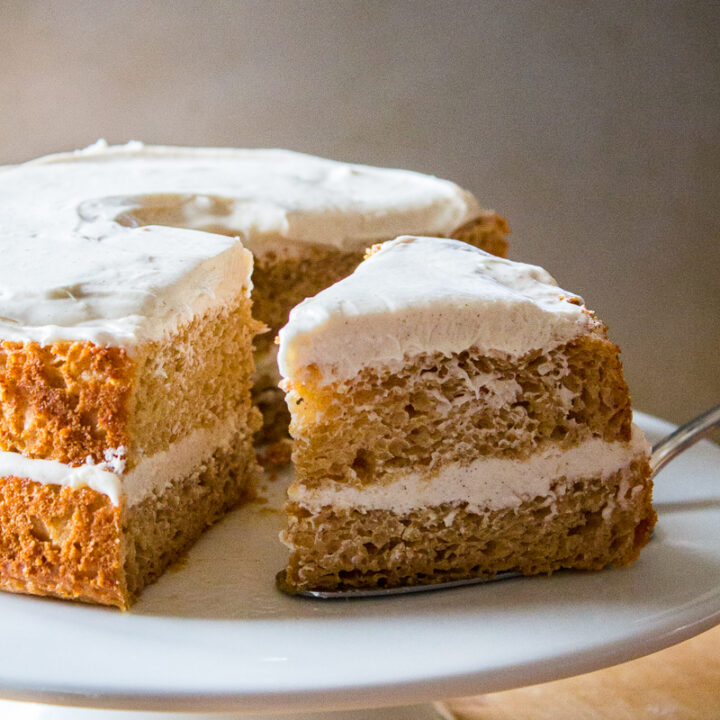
(680, 683)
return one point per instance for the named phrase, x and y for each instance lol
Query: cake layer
(59, 541)
(426, 295)
(435, 409)
(162, 526)
(486, 483)
(201, 375)
(71, 401)
(587, 524)
(149, 476)
(73, 542)
(281, 283)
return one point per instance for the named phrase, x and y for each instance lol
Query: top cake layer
(88, 254)
(422, 295)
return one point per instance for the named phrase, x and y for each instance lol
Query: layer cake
(454, 415)
(126, 336)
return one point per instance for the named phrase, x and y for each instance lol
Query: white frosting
(71, 271)
(150, 475)
(273, 194)
(487, 483)
(120, 289)
(418, 295)
(50, 472)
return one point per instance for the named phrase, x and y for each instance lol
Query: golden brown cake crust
(73, 400)
(65, 402)
(61, 542)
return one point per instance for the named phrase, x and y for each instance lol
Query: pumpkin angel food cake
(456, 415)
(126, 338)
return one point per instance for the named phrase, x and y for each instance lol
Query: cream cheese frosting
(103, 245)
(261, 196)
(423, 295)
(150, 475)
(487, 483)
(117, 289)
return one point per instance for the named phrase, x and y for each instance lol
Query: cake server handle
(684, 437)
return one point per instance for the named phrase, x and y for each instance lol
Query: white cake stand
(216, 636)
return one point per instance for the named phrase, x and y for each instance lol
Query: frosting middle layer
(486, 483)
(150, 475)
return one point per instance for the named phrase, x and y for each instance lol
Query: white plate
(217, 635)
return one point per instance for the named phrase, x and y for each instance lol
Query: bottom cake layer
(586, 523)
(74, 543)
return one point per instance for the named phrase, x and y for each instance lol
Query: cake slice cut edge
(117, 452)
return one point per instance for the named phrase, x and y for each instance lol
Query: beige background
(594, 127)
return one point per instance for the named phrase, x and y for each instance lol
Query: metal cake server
(662, 453)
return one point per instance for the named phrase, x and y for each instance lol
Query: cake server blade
(347, 593)
(662, 453)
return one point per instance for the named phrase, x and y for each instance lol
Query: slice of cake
(306, 220)
(456, 415)
(126, 422)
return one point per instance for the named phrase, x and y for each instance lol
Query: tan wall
(594, 127)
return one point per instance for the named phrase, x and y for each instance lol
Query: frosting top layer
(268, 198)
(102, 244)
(115, 289)
(421, 295)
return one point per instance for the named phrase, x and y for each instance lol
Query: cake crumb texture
(75, 544)
(159, 529)
(62, 542)
(439, 409)
(281, 283)
(199, 375)
(66, 401)
(586, 524)
(72, 401)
